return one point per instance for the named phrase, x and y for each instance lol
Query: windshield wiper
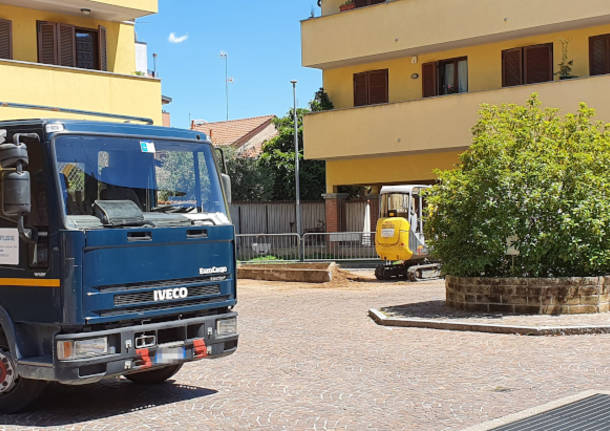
(173, 208)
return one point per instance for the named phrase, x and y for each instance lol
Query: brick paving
(311, 359)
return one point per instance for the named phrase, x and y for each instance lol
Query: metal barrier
(327, 246)
(268, 247)
(338, 246)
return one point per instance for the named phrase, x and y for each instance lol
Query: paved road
(311, 359)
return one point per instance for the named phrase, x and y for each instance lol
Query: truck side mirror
(16, 198)
(14, 160)
(226, 184)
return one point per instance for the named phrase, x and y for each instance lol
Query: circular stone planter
(573, 295)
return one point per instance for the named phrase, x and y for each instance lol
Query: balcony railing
(82, 89)
(434, 123)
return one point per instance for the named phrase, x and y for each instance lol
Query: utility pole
(296, 158)
(226, 57)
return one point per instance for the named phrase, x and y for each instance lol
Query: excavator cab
(399, 238)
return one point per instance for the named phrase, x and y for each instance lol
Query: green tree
(278, 160)
(532, 179)
(321, 101)
(249, 181)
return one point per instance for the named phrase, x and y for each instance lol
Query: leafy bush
(531, 178)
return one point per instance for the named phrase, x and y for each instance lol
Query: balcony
(432, 124)
(106, 10)
(402, 28)
(38, 84)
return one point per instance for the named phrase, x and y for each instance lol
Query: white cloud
(177, 39)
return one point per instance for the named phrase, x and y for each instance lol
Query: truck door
(29, 292)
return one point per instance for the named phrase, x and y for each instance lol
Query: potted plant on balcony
(565, 67)
(349, 4)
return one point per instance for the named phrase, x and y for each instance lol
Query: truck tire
(158, 375)
(16, 393)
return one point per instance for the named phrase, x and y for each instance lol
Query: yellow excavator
(399, 238)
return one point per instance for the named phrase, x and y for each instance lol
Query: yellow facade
(404, 140)
(117, 91)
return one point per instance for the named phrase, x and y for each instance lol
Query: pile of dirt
(344, 278)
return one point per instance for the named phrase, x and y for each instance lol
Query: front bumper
(175, 342)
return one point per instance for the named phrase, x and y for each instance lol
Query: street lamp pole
(226, 57)
(296, 158)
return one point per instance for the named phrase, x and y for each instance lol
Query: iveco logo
(165, 294)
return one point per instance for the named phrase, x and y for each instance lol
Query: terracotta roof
(234, 132)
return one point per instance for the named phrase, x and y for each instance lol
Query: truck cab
(122, 262)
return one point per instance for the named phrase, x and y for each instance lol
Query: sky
(262, 39)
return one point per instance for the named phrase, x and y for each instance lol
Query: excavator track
(408, 270)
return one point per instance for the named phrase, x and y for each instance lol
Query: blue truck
(117, 254)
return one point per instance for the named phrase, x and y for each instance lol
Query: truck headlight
(80, 349)
(226, 327)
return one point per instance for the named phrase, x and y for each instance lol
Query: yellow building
(76, 54)
(407, 77)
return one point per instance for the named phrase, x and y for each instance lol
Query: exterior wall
(118, 91)
(255, 144)
(167, 121)
(413, 27)
(414, 168)
(405, 140)
(77, 89)
(575, 295)
(434, 123)
(120, 36)
(150, 6)
(484, 66)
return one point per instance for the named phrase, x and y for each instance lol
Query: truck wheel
(16, 393)
(158, 375)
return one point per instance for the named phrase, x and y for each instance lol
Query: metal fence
(268, 247)
(328, 246)
(339, 246)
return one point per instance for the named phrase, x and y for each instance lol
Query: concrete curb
(298, 272)
(457, 325)
(505, 420)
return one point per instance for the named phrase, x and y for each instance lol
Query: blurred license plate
(168, 355)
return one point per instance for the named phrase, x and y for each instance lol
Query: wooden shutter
(47, 42)
(101, 40)
(512, 67)
(429, 82)
(6, 39)
(599, 54)
(538, 63)
(67, 45)
(378, 86)
(360, 89)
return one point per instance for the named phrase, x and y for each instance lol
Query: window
(445, 77)
(599, 54)
(362, 3)
(371, 87)
(6, 39)
(67, 45)
(527, 65)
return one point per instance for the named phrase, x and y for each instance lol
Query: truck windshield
(158, 176)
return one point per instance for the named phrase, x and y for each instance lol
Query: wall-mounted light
(414, 75)
(414, 59)
(85, 11)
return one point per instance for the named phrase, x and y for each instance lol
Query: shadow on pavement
(434, 310)
(63, 405)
